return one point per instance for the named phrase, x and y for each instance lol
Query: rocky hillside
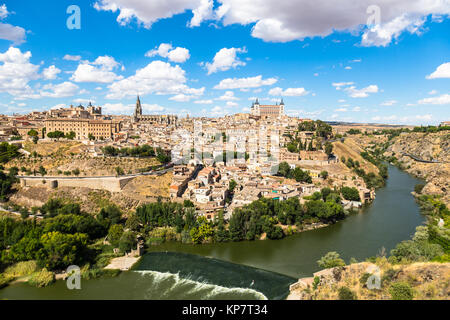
(421, 281)
(426, 146)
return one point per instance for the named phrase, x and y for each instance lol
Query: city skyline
(211, 58)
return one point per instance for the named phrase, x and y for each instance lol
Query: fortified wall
(112, 184)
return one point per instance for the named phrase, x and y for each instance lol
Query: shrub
(401, 291)
(42, 278)
(21, 269)
(331, 260)
(346, 294)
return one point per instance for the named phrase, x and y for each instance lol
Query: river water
(256, 269)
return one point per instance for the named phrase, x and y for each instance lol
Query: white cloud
(165, 50)
(228, 96)
(51, 72)
(179, 55)
(440, 100)
(202, 12)
(339, 85)
(361, 93)
(289, 92)
(65, 89)
(381, 35)
(101, 71)
(12, 33)
(231, 104)
(68, 57)
(243, 83)
(157, 77)
(181, 97)
(203, 102)
(353, 92)
(389, 103)
(9, 32)
(341, 110)
(3, 11)
(16, 72)
(282, 21)
(348, 68)
(432, 92)
(148, 12)
(443, 71)
(225, 59)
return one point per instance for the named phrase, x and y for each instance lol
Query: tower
(138, 109)
(255, 108)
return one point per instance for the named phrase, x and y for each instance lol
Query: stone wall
(112, 184)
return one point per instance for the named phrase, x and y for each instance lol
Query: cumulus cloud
(157, 77)
(203, 102)
(101, 71)
(282, 21)
(381, 35)
(228, 96)
(50, 73)
(165, 50)
(353, 92)
(16, 72)
(148, 12)
(65, 89)
(439, 100)
(225, 59)
(443, 71)
(9, 32)
(69, 57)
(289, 92)
(244, 83)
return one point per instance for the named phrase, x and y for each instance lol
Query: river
(256, 269)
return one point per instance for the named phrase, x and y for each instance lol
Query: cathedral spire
(138, 110)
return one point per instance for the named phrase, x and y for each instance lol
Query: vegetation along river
(251, 270)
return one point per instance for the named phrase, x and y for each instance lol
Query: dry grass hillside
(424, 281)
(350, 149)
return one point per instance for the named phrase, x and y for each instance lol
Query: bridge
(419, 159)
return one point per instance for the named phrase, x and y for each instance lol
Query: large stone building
(267, 111)
(155, 119)
(90, 112)
(83, 128)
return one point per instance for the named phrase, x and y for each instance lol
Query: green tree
(127, 241)
(42, 171)
(328, 148)
(351, 194)
(62, 250)
(331, 260)
(114, 234)
(284, 169)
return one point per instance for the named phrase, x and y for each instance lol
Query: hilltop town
(216, 163)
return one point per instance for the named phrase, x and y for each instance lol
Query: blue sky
(211, 57)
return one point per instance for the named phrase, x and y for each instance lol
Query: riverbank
(124, 263)
(376, 281)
